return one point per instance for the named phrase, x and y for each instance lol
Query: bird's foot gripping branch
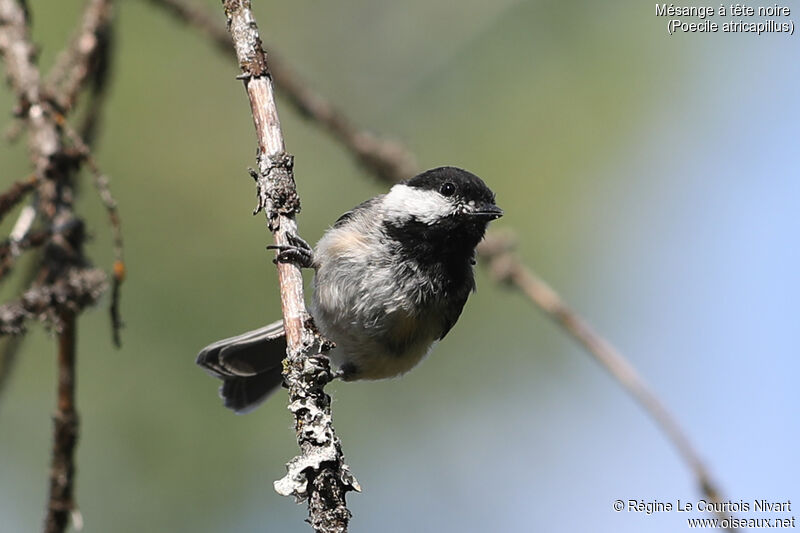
(319, 474)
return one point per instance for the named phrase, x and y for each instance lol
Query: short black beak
(487, 211)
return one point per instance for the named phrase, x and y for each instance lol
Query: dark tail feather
(250, 365)
(245, 394)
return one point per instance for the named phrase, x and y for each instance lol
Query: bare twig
(385, 158)
(319, 474)
(104, 191)
(392, 162)
(79, 61)
(65, 284)
(100, 183)
(10, 248)
(98, 88)
(65, 432)
(10, 344)
(14, 194)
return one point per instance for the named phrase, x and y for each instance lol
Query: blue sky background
(653, 180)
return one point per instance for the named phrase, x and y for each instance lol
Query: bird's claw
(297, 252)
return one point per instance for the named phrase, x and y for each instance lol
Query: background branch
(387, 159)
(504, 266)
(64, 283)
(12, 247)
(319, 474)
(110, 205)
(79, 61)
(10, 344)
(390, 161)
(14, 194)
(71, 292)
(62, 468)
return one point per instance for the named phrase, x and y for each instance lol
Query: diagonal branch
(14, 194)
(506, 267)
(76, 289)
(10, 248)
(391, 161)
(23, 75)
(10, 344)
(65, 283)
(319, 474)
(388, 160)
(80, 60)
(110, 204)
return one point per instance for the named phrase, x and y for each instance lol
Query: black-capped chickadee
(392, 276)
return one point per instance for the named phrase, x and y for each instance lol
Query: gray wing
(360, 207)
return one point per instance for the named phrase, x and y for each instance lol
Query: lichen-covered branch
(64, 282)
(319, 474)
(390, 161)
(23, 75)
(72, 292)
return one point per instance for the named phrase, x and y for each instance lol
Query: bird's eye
(447, 189)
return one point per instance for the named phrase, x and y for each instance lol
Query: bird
(391, 279)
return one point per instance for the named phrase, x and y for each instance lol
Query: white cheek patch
(403, 202)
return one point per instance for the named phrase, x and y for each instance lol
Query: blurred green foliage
(504, 89)
(539, 98)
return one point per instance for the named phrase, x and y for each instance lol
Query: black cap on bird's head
(446, 207)
(463, 188)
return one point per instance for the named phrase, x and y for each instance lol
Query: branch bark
(79, 61)
(391, 162)
(11, 248)
(65, 433)
(386, 159)
(110, 204)
(23, 75)
(10, 344)
(70, 293)
(65, 284)
(14, 194)
(319, 474)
